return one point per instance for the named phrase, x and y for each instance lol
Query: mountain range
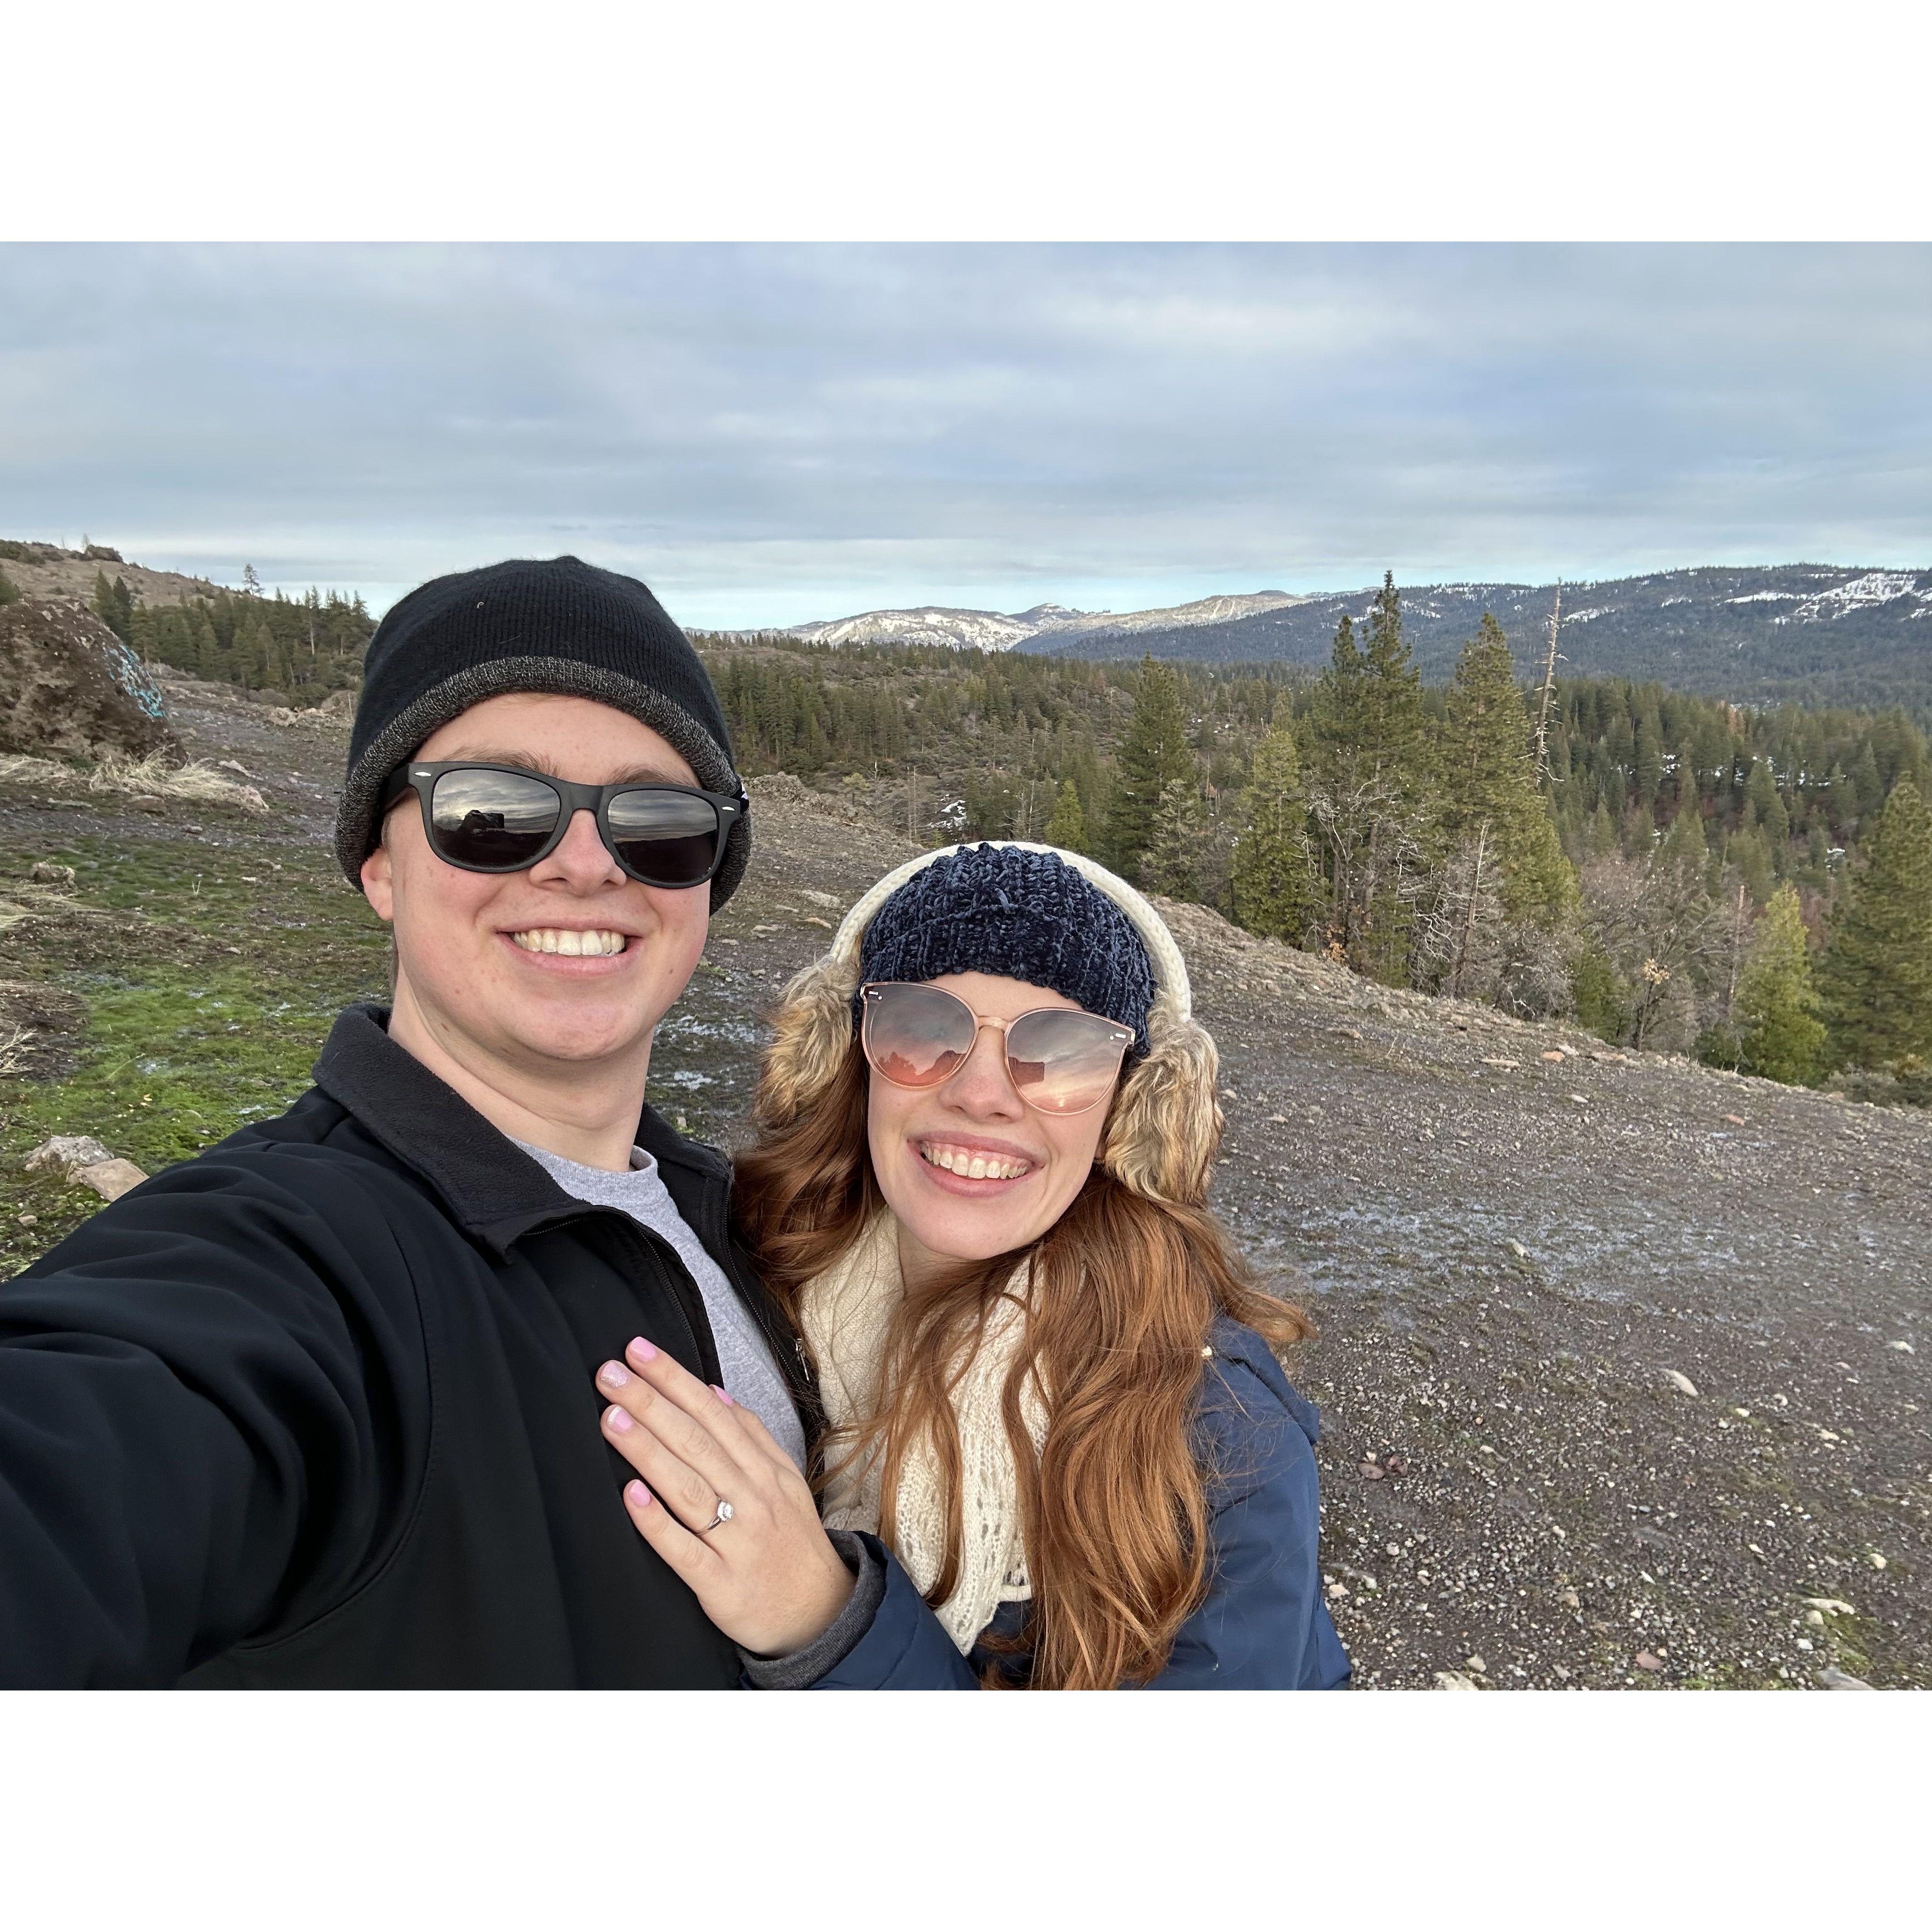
(1818, 632)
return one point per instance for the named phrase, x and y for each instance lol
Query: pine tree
(1776, 1004)
(1276, 885)
(1487, 777)
(1336, 712)
(1369, 794)
(1067, 827)
(1876, 976)
(1392, 692)
(1154, 755)
(1171, 863)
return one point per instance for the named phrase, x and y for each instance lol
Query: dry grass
(154, 776)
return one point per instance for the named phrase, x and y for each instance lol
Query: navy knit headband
(1027, 916)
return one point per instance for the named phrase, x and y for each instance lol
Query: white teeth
(569, 942)
(973, 1166)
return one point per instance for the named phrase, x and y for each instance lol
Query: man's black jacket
(316, 1408)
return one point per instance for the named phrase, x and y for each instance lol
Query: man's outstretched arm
(188, 1443)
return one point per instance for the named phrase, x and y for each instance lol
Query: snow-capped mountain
(998, 630)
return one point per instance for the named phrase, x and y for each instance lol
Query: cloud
(772, 433)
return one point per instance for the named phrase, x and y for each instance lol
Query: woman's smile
(968, 1164)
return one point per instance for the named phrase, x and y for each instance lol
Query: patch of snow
(1861, 593)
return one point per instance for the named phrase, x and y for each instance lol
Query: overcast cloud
(772, 434)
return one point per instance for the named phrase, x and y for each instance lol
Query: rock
(1476, 1664)
(1835, 1606)
(1903, 1347)
(68, 684)
(1876, 1561)
(66, 1152)
(1644, 1660)
(154, 805)
(111, 1179)
(1454, 1680)
(1555, 1055)
(45, 873)
(1816, 1618)
(1487, 1060)
(1373, 1471)
(1395, 1465)
(776, 788)
(1735, 1120)
(1833, 1678)
(1517, 1249)
(236, 765)
(84, 1162)
(1570, 1599)
(1680, 1381)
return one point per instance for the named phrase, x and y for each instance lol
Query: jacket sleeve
(186, 1437)
(1263, 1625)
(905, 1647)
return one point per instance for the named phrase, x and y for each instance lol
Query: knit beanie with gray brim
(557, 627)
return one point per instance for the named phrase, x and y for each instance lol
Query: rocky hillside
(46, 570)
(1623, 1362)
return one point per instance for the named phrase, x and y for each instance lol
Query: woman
(1056, 1450)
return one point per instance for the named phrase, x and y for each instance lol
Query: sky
(769, 434)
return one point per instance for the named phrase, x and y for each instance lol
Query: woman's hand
(767, 1577)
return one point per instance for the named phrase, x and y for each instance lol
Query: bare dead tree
(1549, 687)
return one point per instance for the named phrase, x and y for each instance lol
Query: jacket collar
(489, 1187)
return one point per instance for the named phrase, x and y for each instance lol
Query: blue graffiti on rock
(131, 675)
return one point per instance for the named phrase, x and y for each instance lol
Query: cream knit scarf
(845, 1313)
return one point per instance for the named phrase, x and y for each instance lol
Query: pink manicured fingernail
(722, 1396)
(637, 1496)
(617, 1420)
(613, 1375)
(641, 1349)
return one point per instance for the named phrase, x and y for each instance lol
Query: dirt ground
(1523, 1251)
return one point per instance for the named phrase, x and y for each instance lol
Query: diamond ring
(724, 1514)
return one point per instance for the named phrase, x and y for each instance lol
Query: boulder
(69, 686)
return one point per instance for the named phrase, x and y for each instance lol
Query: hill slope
(46, 570)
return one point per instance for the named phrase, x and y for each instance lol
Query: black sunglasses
(502, 818)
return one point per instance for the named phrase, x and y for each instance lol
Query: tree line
(295, 649)
(1753, 886)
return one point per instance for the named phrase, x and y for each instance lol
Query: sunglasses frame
(573, 798)
(870, 993)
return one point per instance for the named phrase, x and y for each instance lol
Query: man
(317, 1408)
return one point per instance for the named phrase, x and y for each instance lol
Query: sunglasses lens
(1064, 1062)
(495, 821)
(664, 838)
(916, 1035)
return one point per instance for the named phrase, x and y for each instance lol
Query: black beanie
(560, 627)
(1027, 915)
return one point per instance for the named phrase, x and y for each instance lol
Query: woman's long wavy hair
(1124, 1290)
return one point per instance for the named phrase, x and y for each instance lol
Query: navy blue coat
(1263, 1625)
